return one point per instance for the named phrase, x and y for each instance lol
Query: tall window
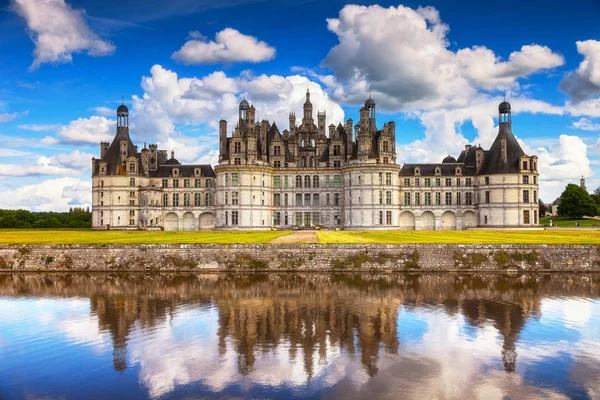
(437, 182)
(298, 199)
(131, 181)
(337, 150)
(336, 199)
(469, 198)
(197, 199)
(234, 218)
(307, 181)
(208, 183)
(438, 198)
(417, 182)
(285, 182)
(468, 182)
(165, 199)
(165, 183)
(388, 217)
(316, 181)
(186, 183)
(417, 199)
(316, 199)
(175, 199)
(487, 180)
(237, 147)
(327, 183)
(197, 183)
(525, 179)
(175, 183)
(337, 181)
(277, 164)
(448, 182)
(277, 218)
(276, 199)
(427, 182)
(307, 199)
(525, 196)
(380, 217)
(525, 216)
(298, 181)
(381, 178)
(458, 202)
(388, 197)
(234, 198)
(448, 198)
(407, 199)
(235, 179)
(388, 178)
(277, 151)
(487, 197)
(380, 197)
(277, 181)
(406, 182)
(427, 198)
(186, 199)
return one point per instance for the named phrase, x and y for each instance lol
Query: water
(303, 336)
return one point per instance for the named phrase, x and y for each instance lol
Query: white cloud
(7, 117)
(71, 164)
(586, 125)
(229, 46)
(104, 111)
(584, 82)
(49, 140)
(58, 31)
(40, 127)
(87, 130)
(48, 195)
(402, 55)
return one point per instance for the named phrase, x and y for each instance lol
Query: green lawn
(461, 237)
(83, 236)
(569, 223)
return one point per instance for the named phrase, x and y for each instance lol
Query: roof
(429, 169)
(122, 109)
(185, 171)
(493, 163)
(449, 160)
(113, 154)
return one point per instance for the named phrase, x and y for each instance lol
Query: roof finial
(122, 103)
(504, 96)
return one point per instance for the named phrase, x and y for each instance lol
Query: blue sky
(439, 69)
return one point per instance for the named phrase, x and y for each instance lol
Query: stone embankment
(306, 257)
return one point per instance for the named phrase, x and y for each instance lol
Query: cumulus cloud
(586, 125)
(71, 164)
(584, 83)
(229, 46)
(58, 31)
(170, 101)
(91, 130)
(49, 195)
(402, 56)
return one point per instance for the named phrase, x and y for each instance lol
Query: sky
(438, 69)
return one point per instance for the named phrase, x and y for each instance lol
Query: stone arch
(427, 221)
(407, 220)
(206, 220)
(469, 219)
(448, 220)
(171, 222)
(188, 221)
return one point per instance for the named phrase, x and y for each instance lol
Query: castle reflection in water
(356, 314)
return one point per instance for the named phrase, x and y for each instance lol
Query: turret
(123, 121)
(153, 157)
(292, 122)
(145, 160)
(308, 109)
(243, 108)
(479, 153)
(370, 106)
(321, 117)
(222, 138)
(349, 128)
(103, 147)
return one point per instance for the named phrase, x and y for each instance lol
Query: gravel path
(297, 237)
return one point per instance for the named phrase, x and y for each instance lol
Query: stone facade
(383, 258)
(311, 175)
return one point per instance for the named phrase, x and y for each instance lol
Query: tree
(575, 202)
(543, 208)
(596, 197)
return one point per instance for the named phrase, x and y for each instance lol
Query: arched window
(312, 142)
(316, 181)
(298, 181)
(312, 162)
(307, 181)
(302, 143)
(303, 162)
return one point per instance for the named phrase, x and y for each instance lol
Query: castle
(307, 176)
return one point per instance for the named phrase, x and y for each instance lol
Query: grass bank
(460, 237)
(84, 236)
(565, 222)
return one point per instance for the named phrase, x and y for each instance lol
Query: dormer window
(175, 172)
(197, 172)
(458, 172)
(417, 171)
(437, 171)
(525, 164)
